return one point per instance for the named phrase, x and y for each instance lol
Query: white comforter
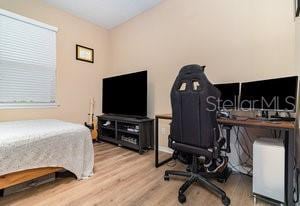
(46, 143)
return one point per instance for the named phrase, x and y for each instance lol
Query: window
(27, 62)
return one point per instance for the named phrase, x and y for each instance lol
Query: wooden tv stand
(133, 133)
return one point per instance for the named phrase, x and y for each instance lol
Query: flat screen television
(125, 95)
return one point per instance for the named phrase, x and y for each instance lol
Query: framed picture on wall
(84, 54)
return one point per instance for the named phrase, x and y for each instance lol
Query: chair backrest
(194, 100)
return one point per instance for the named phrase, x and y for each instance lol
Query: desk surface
(246, 123)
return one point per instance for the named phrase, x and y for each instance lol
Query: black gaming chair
(194, 128)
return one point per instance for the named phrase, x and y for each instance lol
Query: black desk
(288, 129)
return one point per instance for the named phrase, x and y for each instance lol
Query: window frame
(43, 26)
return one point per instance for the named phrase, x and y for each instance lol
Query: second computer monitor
(229, 95)
(273, 94)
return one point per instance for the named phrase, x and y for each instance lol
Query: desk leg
(290, 164)
(228, 130)
(156, 141)
(157, 163)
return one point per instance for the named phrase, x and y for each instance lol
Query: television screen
(125, 94)
(272, 94)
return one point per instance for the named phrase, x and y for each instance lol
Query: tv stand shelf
(133, 133)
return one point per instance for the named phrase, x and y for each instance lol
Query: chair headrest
(191, 69)
(190, 73)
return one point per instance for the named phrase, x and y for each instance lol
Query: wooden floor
(123, 177)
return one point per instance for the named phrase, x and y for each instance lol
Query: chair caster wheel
(166, 178)
(226, 201)
(182, 199)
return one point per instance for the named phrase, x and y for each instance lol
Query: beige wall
(77, 81)
(298, 70)
(237, 41)
(297, 44)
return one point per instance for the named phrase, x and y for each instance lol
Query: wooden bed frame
(23, 176)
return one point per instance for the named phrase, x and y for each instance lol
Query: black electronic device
(273, 94)
(229, 95)
(125, 95)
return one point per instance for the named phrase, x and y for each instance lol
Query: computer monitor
(273, 94)
(229, 95)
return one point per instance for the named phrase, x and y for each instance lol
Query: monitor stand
(265, 114)
(288, 118)
(277, 115)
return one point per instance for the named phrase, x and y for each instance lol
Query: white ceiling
(105, 13)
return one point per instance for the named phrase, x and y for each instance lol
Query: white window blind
(27, 62)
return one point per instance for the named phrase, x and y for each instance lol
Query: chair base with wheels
(196, 176)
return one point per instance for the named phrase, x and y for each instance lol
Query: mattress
(34, 144)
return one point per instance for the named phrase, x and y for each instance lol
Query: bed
(33, 148)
